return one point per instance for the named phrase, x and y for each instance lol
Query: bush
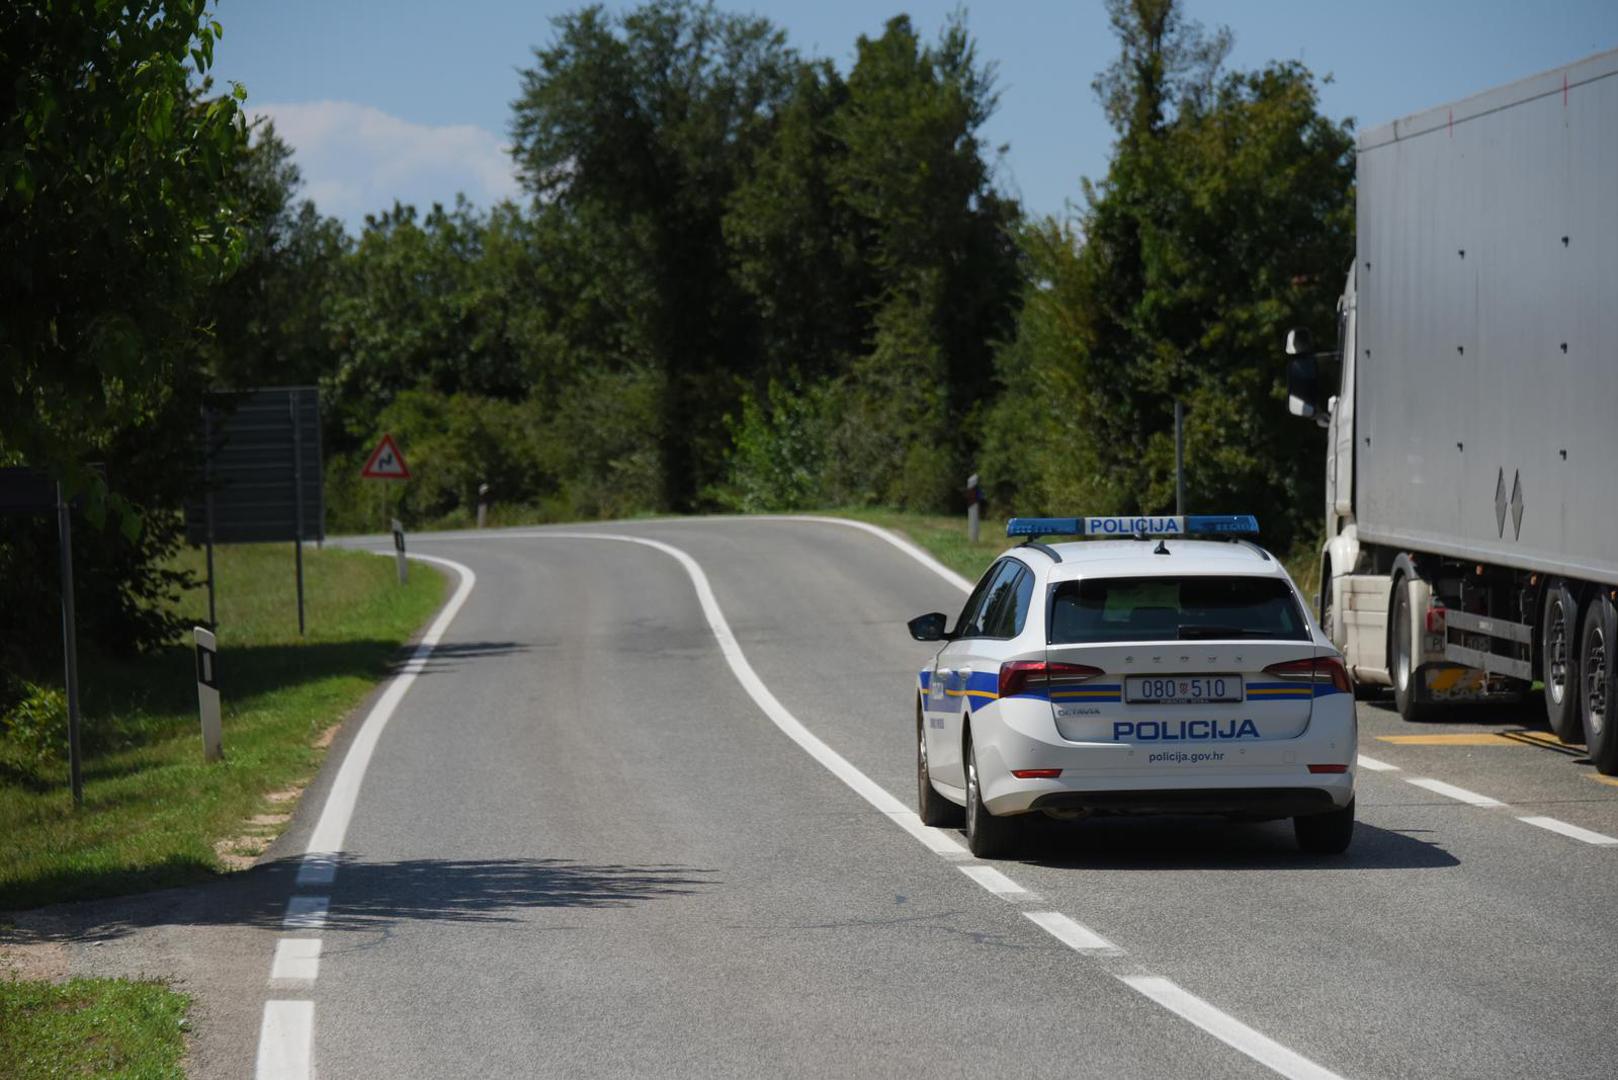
(33, 728)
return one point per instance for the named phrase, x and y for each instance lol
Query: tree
(1226, 215)
(643, 125)
(268, 320)
(118, 211)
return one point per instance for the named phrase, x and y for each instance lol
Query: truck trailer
(1471, 408)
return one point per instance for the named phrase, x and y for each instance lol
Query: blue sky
(410, 99)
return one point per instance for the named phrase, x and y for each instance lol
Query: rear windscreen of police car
(1098, 610)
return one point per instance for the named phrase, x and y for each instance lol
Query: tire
(1598, 683)
(1559, 656)
(931, 807)
(987, 836)
(1325, 834)
(1409, 696)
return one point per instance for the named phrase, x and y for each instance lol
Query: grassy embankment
(91, 1027)
(154, 814)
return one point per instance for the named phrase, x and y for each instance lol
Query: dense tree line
(740, 278)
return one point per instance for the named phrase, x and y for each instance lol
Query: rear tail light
(1435, 619)
(1023, 676)
(1036, 774)
(1328, 768)
(1316, 669)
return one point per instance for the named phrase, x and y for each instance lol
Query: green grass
(153, 811)
(91, 1027)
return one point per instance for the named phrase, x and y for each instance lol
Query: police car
(1162, 665)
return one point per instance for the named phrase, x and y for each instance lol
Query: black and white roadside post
(70, 644)
(483, 505)
(399, 549)
(208, 694)
(974, 502)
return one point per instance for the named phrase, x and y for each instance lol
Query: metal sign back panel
(261, 459)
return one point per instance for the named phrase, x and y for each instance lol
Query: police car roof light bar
(1224, 525)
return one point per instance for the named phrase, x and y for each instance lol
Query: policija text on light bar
(1187, 525)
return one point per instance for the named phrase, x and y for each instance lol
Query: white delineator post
(972, 508)
(208, 694)
(399, 550)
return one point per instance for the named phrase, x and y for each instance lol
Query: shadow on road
(1212, 844)
(377, 895)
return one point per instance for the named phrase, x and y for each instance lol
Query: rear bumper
(1259, 778)
(1268, 802)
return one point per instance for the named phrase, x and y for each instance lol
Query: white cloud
(357, 160)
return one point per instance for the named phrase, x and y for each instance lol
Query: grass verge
(154, 814)
(91, 1027)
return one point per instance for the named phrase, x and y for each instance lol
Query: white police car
(1150, 673)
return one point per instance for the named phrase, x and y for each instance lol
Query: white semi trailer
(1471, 408)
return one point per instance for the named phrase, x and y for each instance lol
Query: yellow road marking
(1470, 738)
(1610, 781)
(1544, 738)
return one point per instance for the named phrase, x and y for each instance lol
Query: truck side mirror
(1303, 383)
(1298, 342)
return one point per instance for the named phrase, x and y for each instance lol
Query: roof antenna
(1162, 548)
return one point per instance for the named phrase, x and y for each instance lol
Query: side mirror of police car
(929, 627)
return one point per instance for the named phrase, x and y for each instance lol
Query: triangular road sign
(385, 462)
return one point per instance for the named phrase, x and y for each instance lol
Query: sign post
(399, 549)
(387, 463)
(70, 645)
(208, 694)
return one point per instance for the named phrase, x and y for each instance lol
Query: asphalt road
(582, 849)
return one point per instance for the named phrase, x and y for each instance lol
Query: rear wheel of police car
(988, 837)
(932, 807)
(1325, 834)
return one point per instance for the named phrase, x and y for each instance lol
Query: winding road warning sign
(385, 462)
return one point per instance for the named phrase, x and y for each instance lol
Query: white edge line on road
(1227, 1029)
(1587, 835)
(1450, 791)
(296, 958)
(936, 840)
(891, 537)
(1075, 935)
(994, 881)
(306, 913)
(1375, 765)
(284, 1040)
(326, 842)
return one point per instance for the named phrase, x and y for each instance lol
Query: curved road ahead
(584, 846)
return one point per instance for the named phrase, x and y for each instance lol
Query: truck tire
(1559, 657)
(1598, 682)
(1409, 691)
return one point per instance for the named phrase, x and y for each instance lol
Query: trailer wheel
(1598, 682)
(1559, 657)
(1409, 691)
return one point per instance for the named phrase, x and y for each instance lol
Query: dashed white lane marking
(284, 1040)
(994, 881)
(306, 913)
(326, 842)
(1227, 1029)
(1450, 791)
(1589, 836)
(1075, 935)
(1376, 766)
(296, 958)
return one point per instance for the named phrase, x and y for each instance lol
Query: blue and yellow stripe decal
(1289, 691)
